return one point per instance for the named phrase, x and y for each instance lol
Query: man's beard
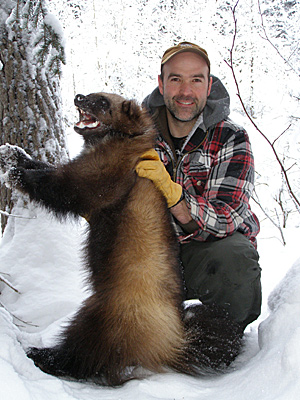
(184, 115)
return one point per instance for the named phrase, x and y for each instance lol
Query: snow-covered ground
(42, 257)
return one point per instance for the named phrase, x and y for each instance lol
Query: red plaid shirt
(216, 170)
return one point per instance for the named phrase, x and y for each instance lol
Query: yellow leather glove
(152, 168)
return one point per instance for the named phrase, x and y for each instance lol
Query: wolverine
(135, 319)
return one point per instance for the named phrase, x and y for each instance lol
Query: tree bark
(30, 105)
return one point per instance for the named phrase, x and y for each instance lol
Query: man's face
(185, 86)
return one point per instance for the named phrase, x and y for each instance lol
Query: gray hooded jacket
(217, 107)
(215, 167)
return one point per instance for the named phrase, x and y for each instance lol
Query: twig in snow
(2, 279)
(8, 284)
(6, 214)
(17, 318)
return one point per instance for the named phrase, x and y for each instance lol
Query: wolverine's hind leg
(85, 349)
(77, 353)
(51, 361)
(215, 339)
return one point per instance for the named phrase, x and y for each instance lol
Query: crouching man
(204, 166)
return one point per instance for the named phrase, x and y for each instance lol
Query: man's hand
(182, 213)
(152, 168)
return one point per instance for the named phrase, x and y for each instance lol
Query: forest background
(116, 47)
(253, 46)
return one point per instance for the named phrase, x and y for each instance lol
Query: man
(210, 162)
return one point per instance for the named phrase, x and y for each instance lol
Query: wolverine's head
(104, 113)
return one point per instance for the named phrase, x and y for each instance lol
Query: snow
(40, 257)
(52, 21)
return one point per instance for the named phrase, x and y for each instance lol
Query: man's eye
(174, 79)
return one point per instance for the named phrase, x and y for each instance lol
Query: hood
(217, 107)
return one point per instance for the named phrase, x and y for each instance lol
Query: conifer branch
(49, 49)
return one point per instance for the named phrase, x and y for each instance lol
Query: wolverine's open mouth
(86, 120)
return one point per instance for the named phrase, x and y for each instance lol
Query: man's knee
(225, 272)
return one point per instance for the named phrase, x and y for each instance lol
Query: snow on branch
(50, 44)
(48, 38)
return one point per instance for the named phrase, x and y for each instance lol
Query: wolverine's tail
(214, 339)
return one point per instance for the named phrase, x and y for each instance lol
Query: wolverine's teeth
(85, 125)
(94, 124)
(80, 125)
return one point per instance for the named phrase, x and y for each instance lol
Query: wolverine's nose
(79, 98)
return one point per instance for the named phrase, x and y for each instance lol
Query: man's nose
(185, 89)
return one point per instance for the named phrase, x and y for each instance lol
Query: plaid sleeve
(223, 206)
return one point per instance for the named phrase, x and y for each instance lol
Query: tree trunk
(30, 105)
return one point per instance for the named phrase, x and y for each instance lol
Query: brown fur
(134, 316)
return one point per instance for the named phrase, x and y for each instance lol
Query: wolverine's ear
(131, 109)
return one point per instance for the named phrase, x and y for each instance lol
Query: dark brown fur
(134, 316)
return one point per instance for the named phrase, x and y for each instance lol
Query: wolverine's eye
(102, 103)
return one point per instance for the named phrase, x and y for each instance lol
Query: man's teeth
(185, 102)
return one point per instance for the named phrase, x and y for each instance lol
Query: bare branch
(291, 166)
(278, 137)
(269, 218)
(269, 41)
(231, 66)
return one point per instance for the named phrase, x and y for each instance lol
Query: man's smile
(184, 103)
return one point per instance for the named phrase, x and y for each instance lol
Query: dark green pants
(225, 272)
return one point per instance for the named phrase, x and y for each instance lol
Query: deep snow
(43, 260)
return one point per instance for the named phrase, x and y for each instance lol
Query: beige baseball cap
(182, 47)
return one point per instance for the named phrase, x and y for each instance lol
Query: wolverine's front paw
(11, 157)
(16, 177)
